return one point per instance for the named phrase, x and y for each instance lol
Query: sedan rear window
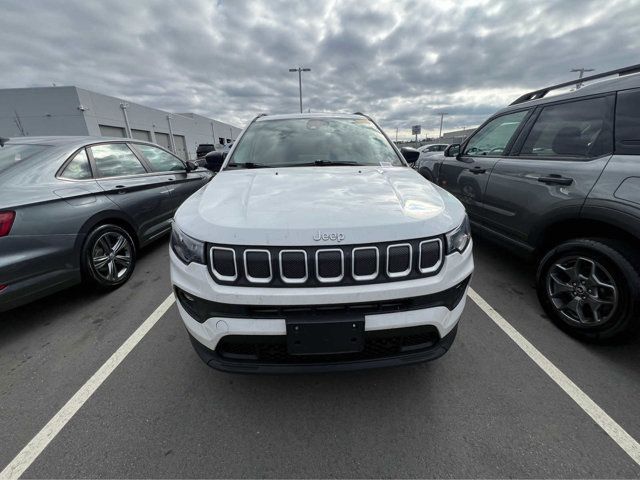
(12, 154)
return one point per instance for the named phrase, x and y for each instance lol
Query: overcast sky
(400, 61)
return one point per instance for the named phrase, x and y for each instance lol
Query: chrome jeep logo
(328, 236)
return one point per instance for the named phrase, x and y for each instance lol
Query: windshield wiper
(323, 163)
(248, 165)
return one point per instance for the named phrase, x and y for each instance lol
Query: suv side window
(160, 160)
(492, 139)
(116, 160)
(628, 122)
(78, 168)
(574, 129)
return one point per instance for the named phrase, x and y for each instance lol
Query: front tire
(590, 288)
(108, 257)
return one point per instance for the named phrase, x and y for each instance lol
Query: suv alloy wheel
(590, 287)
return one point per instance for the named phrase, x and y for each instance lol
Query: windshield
(11, 154)
(313, 141)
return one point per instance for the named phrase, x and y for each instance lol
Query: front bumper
(325, 364)
(259, 315)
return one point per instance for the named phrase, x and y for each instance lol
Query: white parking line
(591, 408)
(34, 448)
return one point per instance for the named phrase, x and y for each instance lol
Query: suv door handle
(556, 180)
(477, 170)
(121, 189)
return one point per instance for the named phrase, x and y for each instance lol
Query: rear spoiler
(3, 140)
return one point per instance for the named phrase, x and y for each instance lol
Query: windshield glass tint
(11, 154)
(304, 141)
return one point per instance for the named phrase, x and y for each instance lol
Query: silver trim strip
(306, 268)
(362, 278)
(440, 256)
(218, 275)
(246, 270)
(406, 272)
(330, 279)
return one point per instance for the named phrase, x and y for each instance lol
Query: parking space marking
(591, 408)
(34, 448)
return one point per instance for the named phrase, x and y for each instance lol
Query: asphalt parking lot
(483, 410)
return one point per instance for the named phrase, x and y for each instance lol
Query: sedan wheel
(109, 256)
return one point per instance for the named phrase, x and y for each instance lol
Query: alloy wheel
(111, 256)
(582, 291)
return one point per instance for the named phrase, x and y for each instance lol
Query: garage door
(162, 139)
(109, 131)
(141, 135)
(181, 146)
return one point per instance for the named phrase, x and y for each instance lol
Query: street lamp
(300, 70)
(442, 114)
(581, 70)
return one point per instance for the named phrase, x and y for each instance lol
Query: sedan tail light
(6, 222)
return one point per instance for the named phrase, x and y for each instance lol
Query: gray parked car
(74, 208)
(558, 178)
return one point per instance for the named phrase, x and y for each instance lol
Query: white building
(75, 111)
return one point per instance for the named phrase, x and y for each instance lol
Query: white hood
(291, 206)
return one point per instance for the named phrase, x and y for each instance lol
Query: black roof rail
(536, 94)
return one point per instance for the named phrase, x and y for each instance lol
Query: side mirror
(213, 160)
(410, 154)
(191, 166)
(452, 150)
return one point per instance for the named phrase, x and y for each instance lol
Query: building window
(141, 135)
(110, 131)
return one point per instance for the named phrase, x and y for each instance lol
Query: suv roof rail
(261, 115)
(536, 94)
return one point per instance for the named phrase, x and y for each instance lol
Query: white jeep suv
(317, 248)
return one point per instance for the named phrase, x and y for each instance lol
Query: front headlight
(458, 239)
(186, 248)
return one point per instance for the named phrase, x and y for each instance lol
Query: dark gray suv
(558, 178)
(74, 208)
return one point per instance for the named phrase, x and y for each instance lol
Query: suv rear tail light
(6, 222)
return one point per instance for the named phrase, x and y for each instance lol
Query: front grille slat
(430, 255)
(316, 266)
(329, 265)
(399, 260)
(257, 265)
(293, 266)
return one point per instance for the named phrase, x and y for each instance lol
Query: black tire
(102, 244)
(596, 310)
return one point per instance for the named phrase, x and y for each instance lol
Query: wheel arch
(561, 230)
(114, 217)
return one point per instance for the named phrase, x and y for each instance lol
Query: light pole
(581, 70)
(127, 127)
(442, 114)
(300, 70)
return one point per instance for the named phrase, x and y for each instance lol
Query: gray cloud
(400, 61)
